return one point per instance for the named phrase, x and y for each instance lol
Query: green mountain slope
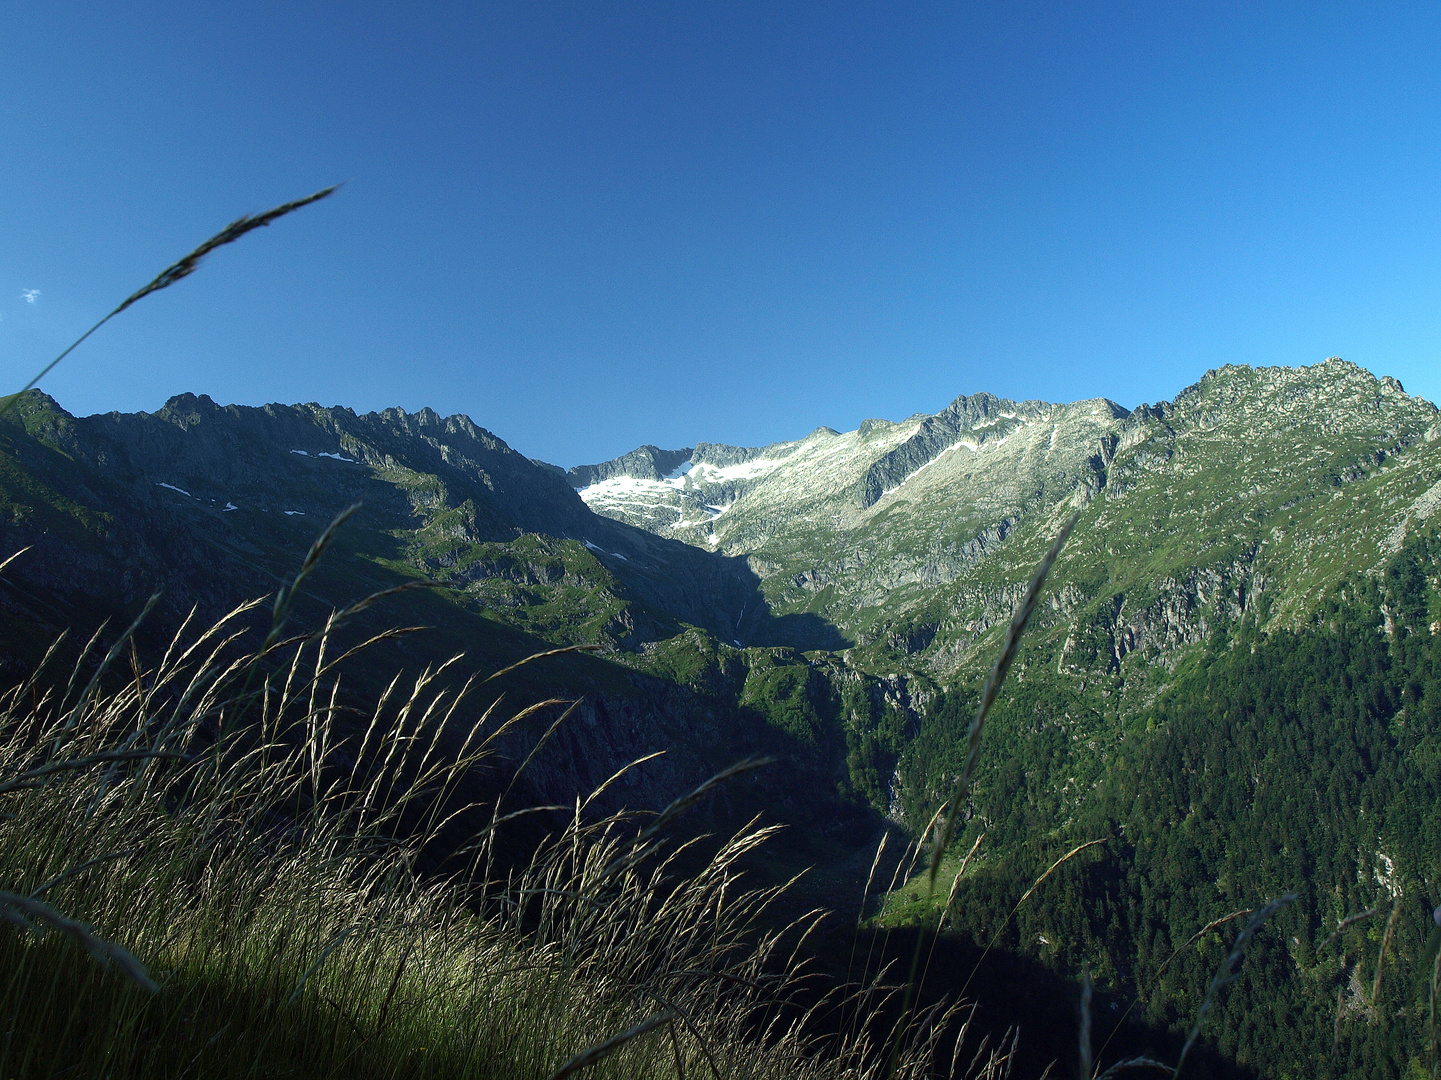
(1251, 492)
(1300, 760)
(1231, 680)
(210, 506)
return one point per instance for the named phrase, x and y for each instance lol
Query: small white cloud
(31, 295)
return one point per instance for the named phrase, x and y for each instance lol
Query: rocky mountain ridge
(437, 487)
(784, 579)
(911, 534)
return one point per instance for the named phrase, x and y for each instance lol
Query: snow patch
(994, 420)
(627, 487)
(292, 513)
(634, 489)
(744, 471)
(229, 506)
(324, 453)
(172, 487)
(601, 500)
(612, 554)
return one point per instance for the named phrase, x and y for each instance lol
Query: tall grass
(303, 890)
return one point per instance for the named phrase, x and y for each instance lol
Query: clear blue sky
(594, 225)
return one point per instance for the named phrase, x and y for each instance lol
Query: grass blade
(21, 910)
(1228, 972)
(177, 270)
(600, 1051)
(992, 688)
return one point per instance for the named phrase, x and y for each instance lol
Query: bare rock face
(646, 463)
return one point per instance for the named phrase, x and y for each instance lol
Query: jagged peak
(970, 410)
(188, 400)
(1322, 377)
(723, 454)
(648, 462)
(878, 424)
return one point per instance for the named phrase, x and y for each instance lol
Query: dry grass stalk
(1139, 1062)
(946, 911)
(596, 1053)
(997, 677)
(993, 687)
(996, 935)
(1214, 924)
(264, 873)
(1433, 1036)
(25, 911)
(1228, 971)
(177, 270)
(1349, 920)
(1386, 940)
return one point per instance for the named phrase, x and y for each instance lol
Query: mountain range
(914, 536)
(887, 557)
(832, 600)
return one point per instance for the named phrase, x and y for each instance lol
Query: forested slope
(1302, 761)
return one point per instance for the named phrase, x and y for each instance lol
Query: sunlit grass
(259, 850)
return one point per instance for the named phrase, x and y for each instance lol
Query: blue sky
(595, 225)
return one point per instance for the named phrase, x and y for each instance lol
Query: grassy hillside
(269, 885)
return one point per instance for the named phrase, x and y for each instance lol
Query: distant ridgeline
(1233, 676)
